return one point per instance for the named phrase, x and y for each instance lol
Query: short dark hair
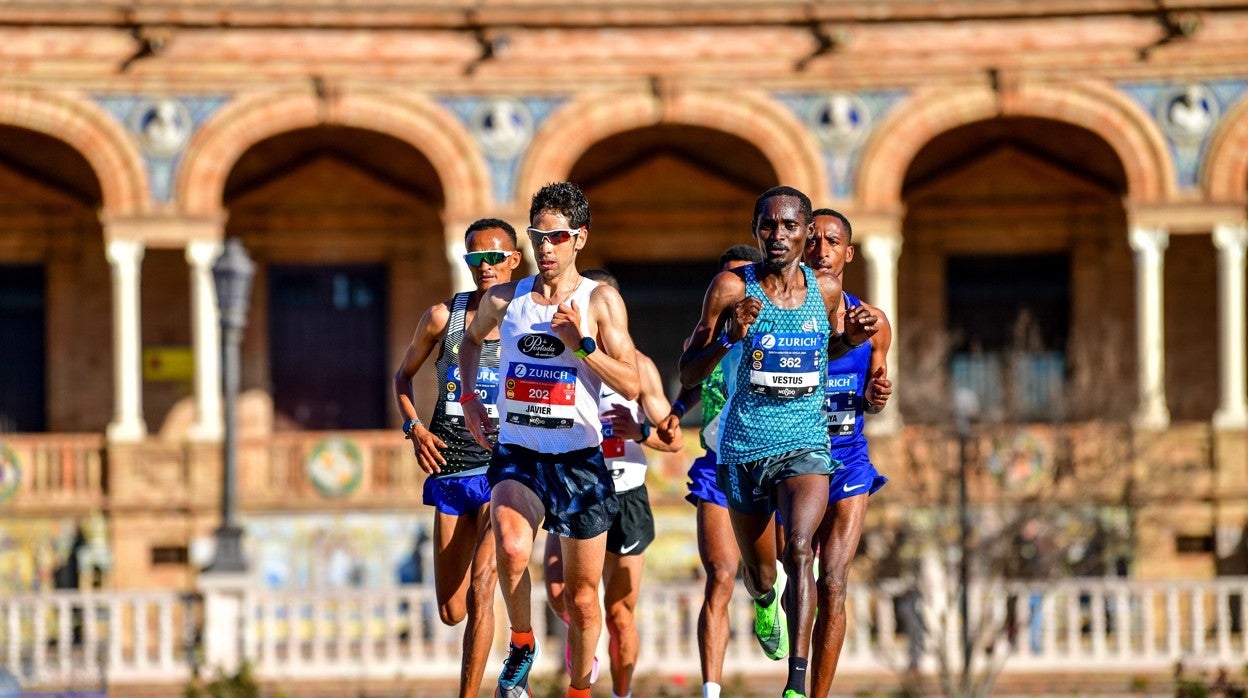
(602, 276)
(781, 190)
(488, 223)
(849, 229)
(740, 253)
(562, 197)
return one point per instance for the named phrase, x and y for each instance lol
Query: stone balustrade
(1080, 626)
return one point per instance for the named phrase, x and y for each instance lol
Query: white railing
(107, 639)
(71, 639)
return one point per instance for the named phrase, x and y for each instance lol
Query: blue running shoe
(514, 681)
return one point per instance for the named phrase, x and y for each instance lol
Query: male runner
(463, 553)
(562, 338)
(624, 430)
(857, 384)
(717, 547)
(773, 441)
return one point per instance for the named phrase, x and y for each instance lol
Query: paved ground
(885, 686)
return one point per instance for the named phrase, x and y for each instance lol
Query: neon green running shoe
(790, 693)
(771, 629)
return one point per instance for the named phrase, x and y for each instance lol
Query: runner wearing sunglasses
(563, 338)
(463, 560)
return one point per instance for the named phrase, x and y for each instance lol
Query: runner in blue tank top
(857, 384)
(463, 546)
(773, 443)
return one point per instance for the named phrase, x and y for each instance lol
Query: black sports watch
(588, 346)
(409, 425)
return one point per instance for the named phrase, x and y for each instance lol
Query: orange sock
(574, 692)
(523, 638)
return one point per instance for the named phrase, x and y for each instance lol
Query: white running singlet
(549, 398)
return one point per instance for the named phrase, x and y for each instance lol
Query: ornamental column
(1231, 239)
(205, 341)
(1149, 244)
(125, 258)
(882, 252)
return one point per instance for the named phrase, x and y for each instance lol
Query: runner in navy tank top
(857, 384)
(456, 486)
(763, 465)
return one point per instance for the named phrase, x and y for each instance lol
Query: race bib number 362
(540, 396)
(786, 365)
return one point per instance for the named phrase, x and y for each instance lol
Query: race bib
(786, 365)
(841, 403)
(612, 445)
(541, 396)
(487, 390)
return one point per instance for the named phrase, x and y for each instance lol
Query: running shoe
(790, 693)
(771, 629)
(567, 661)
(514, 681)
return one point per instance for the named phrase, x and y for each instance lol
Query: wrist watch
(587, 347)
(408, 425)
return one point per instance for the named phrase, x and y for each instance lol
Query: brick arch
(424, 125)
(1127, 128)
(103, 142)
(753, 117)
(1224, 174)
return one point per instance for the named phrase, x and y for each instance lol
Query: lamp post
(965, 411)
(232, 274)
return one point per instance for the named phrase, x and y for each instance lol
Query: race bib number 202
(540, 396)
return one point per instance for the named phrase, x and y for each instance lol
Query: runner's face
(553, 259)
(492, 239)
(828, 249)
(781, 230)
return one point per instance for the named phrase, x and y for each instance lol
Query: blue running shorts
(703, 483)
(457, 495)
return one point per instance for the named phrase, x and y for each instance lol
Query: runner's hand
(879, 390)
(668, 428)
(428, 449)
(566, 323)
(477, 419)
(622, 423)
(860, 325)
(744, 314)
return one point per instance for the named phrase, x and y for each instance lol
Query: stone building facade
(1049, 202)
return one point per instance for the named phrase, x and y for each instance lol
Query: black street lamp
(232, 274)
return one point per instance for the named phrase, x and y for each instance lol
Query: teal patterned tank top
(776, 392)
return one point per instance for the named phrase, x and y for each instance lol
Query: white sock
(710, 689)
(626, 695)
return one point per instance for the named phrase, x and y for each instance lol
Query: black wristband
(678, 408)
(645, 432)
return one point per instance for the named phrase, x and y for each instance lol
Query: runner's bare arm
(859, 322)
(881, 387)
(615, 362)
(704, 349)
(489, 316)
(654, 407)
(429, 332)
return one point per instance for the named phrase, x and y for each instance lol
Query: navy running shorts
(575, 487)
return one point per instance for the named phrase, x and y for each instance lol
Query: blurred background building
(1048, 197)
